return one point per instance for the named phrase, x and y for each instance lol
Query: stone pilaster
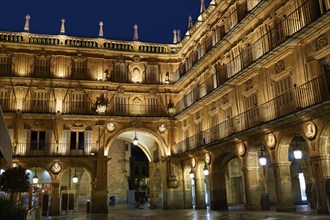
(252, 188)
(283, 187)
(54, 209)
(321, 170)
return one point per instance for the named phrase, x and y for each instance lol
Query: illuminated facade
(249, 78)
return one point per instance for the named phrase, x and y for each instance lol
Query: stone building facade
(249, 78)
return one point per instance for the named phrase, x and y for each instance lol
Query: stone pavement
(129, 211)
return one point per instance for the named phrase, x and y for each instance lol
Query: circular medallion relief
(241, 149)
(271, 141)
(111, 126)
(310, 130)
(193, 162)
(56, 167)
(208, 158)
(162, 128)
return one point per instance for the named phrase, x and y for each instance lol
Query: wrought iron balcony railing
(311, 93)
(272, 39)
(53, 149)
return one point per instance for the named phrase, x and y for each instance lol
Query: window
(79, 69)
(152, 106)
(120, 73)
(39, 102)
(120, 105)
(38, 140)
(41, 67)
(5, 65)
(78, 102)
(4, 100)
(283, 91)
(77, 140)
(152, 74)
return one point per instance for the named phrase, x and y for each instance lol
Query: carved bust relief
(310, 130)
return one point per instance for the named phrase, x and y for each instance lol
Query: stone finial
(27, 23)
(202, 7)
(175, 40)
(62, 27)
(101, 29)
(179, 36)
(190, 22)
(136, 35)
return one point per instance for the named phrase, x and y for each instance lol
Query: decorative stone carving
(111, 126)
(321, 41)
(271, 141)
(162, 128)
(241, 149)
(185, 123)
(198, 115)
(153, 91)
(213, 106)
(193, 162)
(136, 59)
(248, 85)
(208, 158)
(310, 130)
(279, 66)
(120, 89)
(225, 99)
(136, 123)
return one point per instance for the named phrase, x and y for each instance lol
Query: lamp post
(35, 179)
(297, 153)
(206, 187)
(193, 193)
(75, 177)
(262, 157)
(135, 140)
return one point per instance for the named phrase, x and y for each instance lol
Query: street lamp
(205, 170)
(262, 157)
(135, 140)
(297, 153)
(75, 177)
(35, 179)
(191, 174)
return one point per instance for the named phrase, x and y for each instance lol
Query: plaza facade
(250, 79)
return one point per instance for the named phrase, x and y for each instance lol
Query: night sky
(156, 18)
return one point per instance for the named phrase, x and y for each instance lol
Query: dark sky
(156, 18)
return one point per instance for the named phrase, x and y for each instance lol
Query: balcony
(53, 150)
(39, 106)
(271, 40)
(307, 95)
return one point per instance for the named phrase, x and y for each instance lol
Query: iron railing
(291, 24)
(53, 149)
(311, 93)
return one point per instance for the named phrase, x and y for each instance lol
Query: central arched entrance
(130, 153)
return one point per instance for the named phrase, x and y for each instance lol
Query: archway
(131, 152)
(39, 194)
(74, 194)
(227, 182)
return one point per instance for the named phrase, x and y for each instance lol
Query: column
(283, 187)
(55, 199)
(99, 193)
(321, 170)
(252, 188)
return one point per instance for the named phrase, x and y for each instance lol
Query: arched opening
(302, 181)
(131, 153)
(75, 190)
(39, 194)
(227, 188)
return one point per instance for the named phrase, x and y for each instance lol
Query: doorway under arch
(227, 183)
